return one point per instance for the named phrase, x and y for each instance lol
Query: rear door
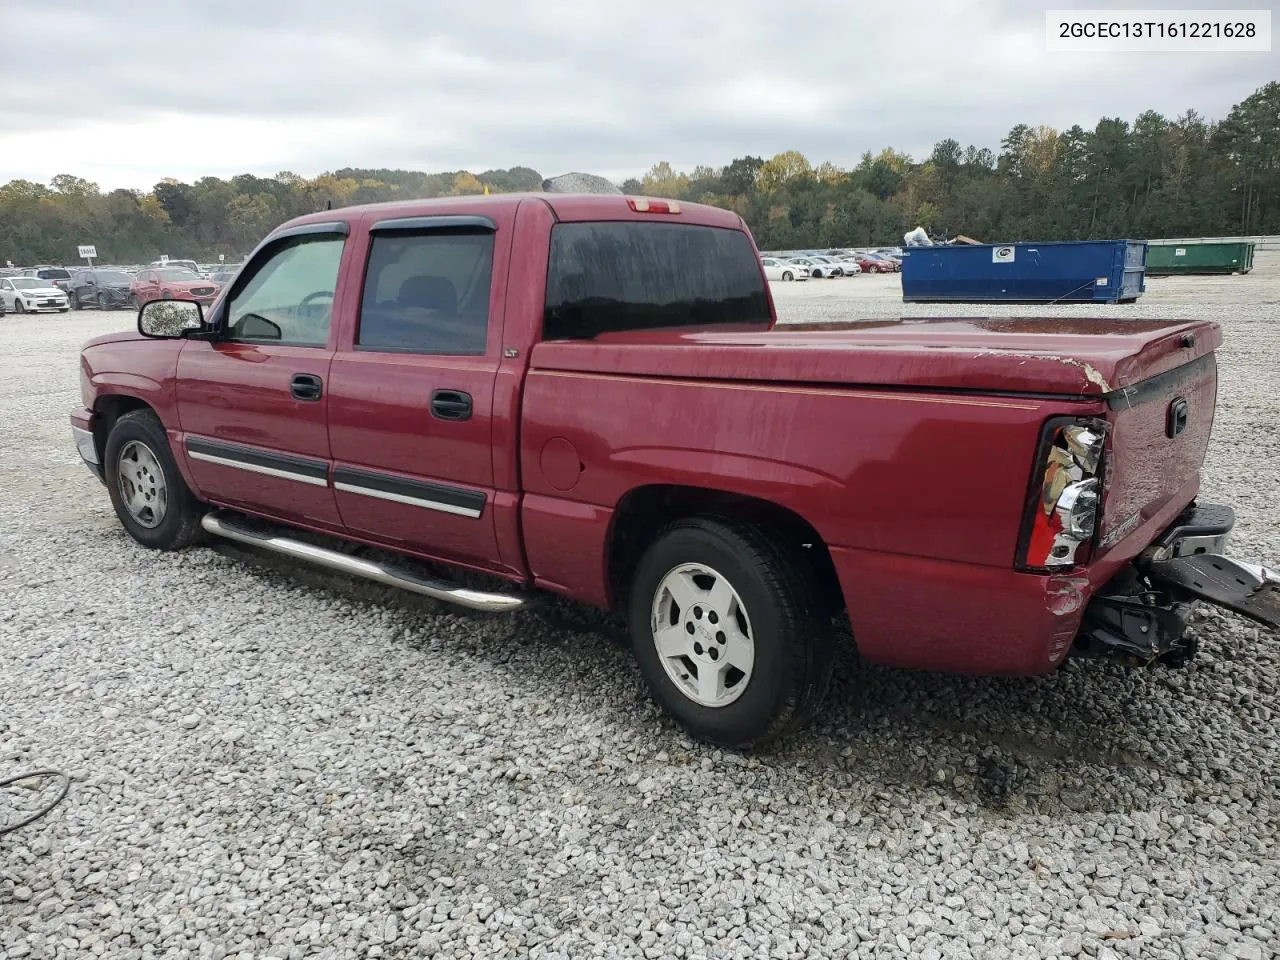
(412, 393)
(253, 404)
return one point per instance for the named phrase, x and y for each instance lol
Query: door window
(289, 297)
(427, 292)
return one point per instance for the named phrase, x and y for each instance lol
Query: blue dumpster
(1083, 271)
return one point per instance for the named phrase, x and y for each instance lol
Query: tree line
(1154, 177)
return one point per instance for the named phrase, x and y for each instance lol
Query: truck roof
(566, 206)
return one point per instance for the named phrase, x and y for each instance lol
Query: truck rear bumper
(1141, 615)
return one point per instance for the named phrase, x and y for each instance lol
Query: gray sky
(125, 93)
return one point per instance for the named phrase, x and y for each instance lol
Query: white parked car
(32, 295)
(776, 269)
(824, 266)
(817, 269)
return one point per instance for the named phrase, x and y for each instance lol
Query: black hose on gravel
(62, 792)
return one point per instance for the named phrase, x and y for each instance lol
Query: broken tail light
(1065, 497)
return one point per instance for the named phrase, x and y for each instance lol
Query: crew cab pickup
(589, 395)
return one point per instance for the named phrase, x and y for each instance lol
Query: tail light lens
(1065, 497)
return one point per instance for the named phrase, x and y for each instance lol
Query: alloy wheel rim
(703, 635)
(140, 479)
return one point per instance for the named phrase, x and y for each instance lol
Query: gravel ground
(273, 762)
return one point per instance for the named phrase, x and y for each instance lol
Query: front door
(411, 414)
(253, 403)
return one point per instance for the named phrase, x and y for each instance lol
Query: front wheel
(728, 630)
(787, 275)
(103, 302)
(17, 306)
(74, 301)
(153, 502)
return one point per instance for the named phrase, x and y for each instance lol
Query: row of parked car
(801, 265)
(50, 289)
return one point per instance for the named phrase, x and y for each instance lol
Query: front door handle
(306, 386)
(451, 405)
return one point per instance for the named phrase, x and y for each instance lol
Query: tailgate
(1160, 427)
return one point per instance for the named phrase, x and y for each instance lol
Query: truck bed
(1087, 357)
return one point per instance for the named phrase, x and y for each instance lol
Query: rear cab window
(637, 275)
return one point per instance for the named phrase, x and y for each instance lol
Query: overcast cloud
(126, 93)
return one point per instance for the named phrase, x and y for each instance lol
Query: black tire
(103, 302)
(792, 639)
(180, 525)
(787, 275)
(17, 306)
(74, 301)
(135, 302)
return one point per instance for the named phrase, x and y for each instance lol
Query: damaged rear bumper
(1141, 614)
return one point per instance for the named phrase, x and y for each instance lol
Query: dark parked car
(103, 289)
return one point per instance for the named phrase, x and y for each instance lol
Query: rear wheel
(103, 302)
(153, 502)
(787, 275)
(728, 630)
(74, 301)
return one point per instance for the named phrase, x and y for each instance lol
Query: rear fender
(760, 477)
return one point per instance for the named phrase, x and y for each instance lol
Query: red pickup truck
(588, 395)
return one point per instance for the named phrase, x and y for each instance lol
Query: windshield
(176, 273)
(635, 276)
(112, 276)
(28, 283)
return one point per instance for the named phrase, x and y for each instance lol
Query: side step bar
(369, 570)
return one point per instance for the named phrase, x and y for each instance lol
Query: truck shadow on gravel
(1080, 740)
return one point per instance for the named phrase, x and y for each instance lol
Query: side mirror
(169, 319)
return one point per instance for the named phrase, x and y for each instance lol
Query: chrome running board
(369, 570)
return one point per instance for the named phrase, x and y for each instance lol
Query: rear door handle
(451, 405)
(306, 386)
